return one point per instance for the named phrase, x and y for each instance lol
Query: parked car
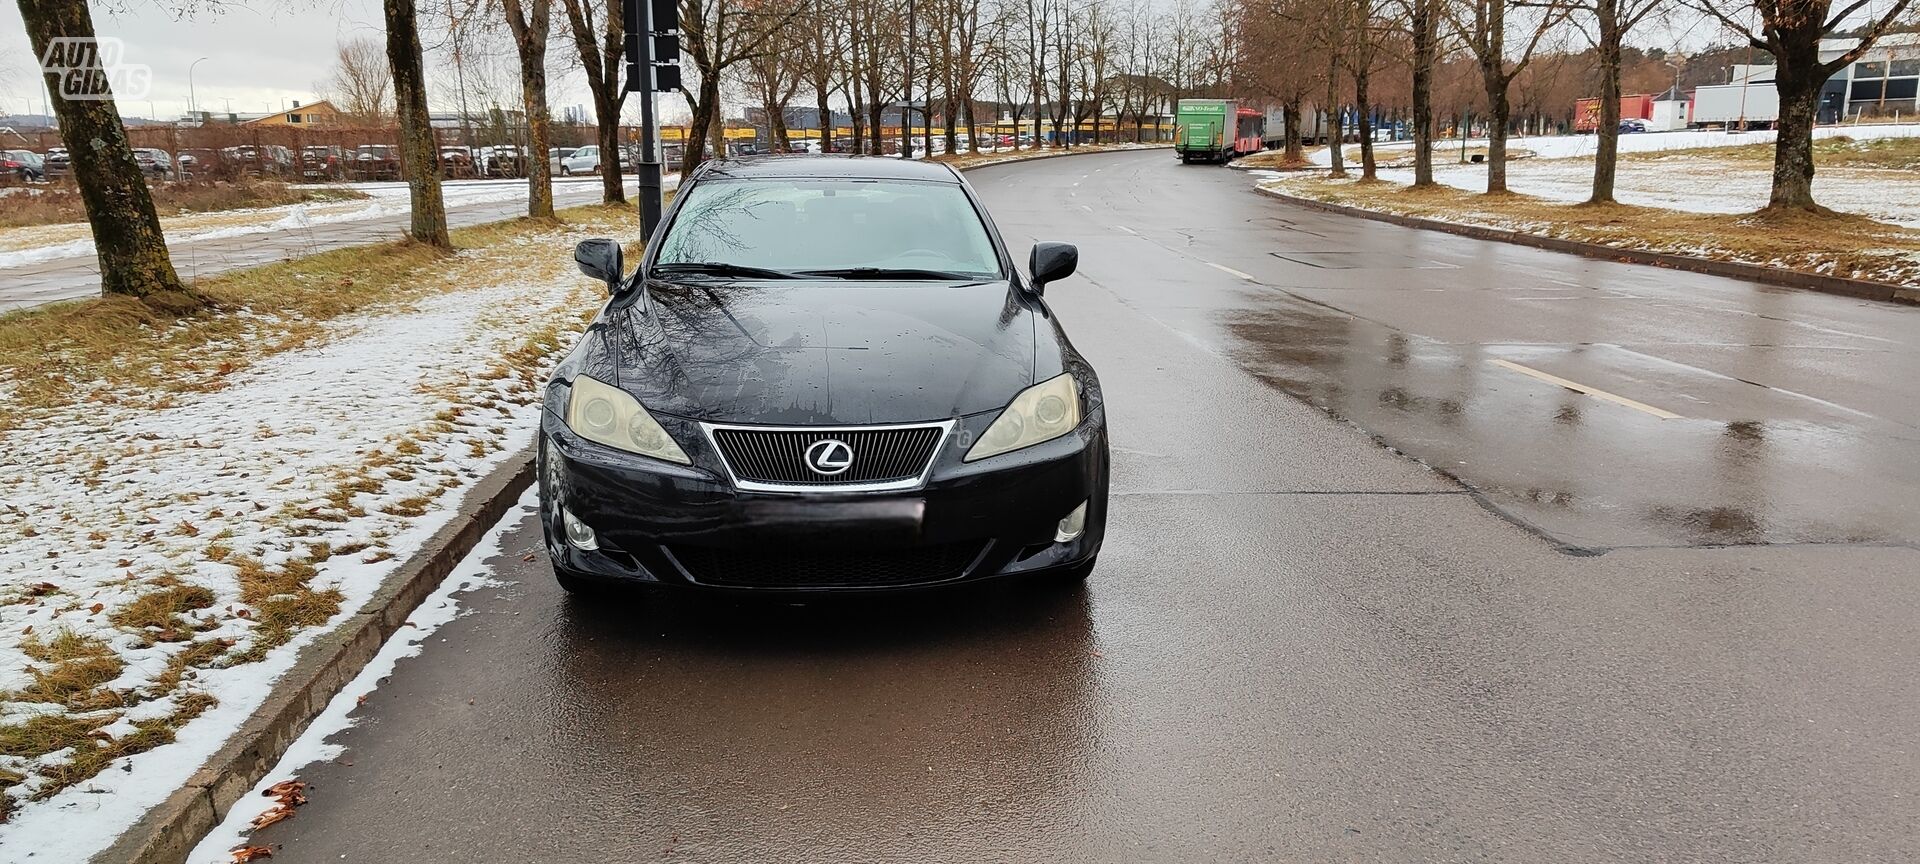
(266, 160)
(56, 164)
(196, 163)
(585, 160)
(22, 165)
(658, 467)
(323, 162)
(1632, 125)
(376, 162)
(503, 161)
(154, 163)
(456, 163)
(556, 155)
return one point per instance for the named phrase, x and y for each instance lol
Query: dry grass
(104, 349)
(92, 755)
(45, 733)
(1833, 244)
(283, 601)
(57, 205)
(161, 610)
(1892, 154)
(1276, 160)
(75, 668)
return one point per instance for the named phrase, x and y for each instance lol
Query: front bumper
(660, 523)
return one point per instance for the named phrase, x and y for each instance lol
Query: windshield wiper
(885, 273)
(717, 268)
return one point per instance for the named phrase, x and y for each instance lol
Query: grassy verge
(83, 703)
(101, 348)
(60, 204)
(1838, 244)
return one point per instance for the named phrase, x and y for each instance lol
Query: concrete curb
(168, 832)
(1846, 287)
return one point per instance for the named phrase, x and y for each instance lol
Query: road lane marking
(1582, 388)
(1725, 377)
(1224, 269)
(1128, 230)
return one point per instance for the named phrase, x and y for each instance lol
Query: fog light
(1073, 526)
(580, 536)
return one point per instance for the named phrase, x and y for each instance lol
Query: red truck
(1586, 112)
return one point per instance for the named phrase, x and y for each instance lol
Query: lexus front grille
(829, 458)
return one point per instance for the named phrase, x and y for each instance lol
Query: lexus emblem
(829, 456)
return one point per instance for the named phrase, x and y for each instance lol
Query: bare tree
(528, 19)
(599, 39)
(1482, 26)
(361, 83)
(1612, 20)
(716, 35)
(418, 150)
(1791, 31)
(126, 229)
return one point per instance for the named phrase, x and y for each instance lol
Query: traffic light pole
(651, 197)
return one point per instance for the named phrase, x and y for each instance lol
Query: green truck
(1216, 130)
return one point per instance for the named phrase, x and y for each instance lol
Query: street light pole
(193, 103)
(906, 105)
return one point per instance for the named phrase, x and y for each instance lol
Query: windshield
(799, 225)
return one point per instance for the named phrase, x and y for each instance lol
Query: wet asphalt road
(1300, 645)
(78, 276)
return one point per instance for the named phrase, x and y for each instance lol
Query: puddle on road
(1588, 473)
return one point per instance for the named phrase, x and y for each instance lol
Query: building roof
(323, 107)
(829, 165)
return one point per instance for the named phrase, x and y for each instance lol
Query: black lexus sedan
(827, 375)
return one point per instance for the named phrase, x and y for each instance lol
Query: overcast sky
(262, 54)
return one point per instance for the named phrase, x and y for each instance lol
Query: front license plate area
(888, 519)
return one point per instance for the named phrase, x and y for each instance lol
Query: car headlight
(1043, 412)
(609, 415)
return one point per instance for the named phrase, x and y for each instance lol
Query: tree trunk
(1799, 81)
(705, 106)
(781, 139)
(417, 145)
(1498, 113)
(1291, 126)
(1364, 106)
(530, 42)
(874, 121)
(1425, 39)
(1333, 117)
(606, 113)
(1606, 155)
(126, 230)
(826, 119)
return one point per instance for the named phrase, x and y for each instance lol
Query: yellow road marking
(1582, 388)
(1224, 269)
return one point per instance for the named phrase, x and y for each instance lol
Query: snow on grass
(22, 246)
(206, 540)
(1577, 146)
(1562, 170)
(1843, 244)
(442, 606)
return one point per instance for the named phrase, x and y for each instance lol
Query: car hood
(825, 352)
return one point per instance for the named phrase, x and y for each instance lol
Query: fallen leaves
(243, 854)
(287, 794)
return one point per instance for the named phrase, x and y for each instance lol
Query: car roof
(828, 165)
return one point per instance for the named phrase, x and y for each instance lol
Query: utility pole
(460, 78)
(906, 105)
(653, 66)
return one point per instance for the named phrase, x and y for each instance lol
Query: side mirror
(600, 258)
(1050, 262)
